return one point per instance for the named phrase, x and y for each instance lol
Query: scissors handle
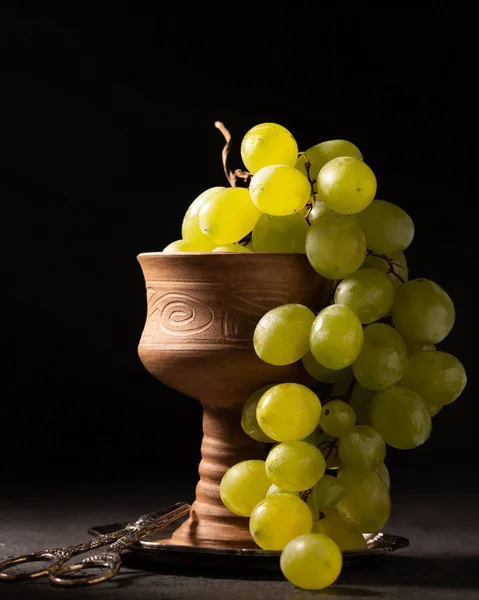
(55, 558)
(108, 561)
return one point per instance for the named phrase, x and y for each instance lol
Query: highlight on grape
(373, 350)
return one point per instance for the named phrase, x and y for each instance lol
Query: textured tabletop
(441, 562)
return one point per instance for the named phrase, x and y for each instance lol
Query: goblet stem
(224, 444)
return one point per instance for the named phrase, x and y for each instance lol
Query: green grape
(433, 408)
(231, 248)
(368, 292)
(366, 503)
(383, 358)
(243, 486)
(280, 234)
(322, 374)
(190, 229)
(414, 346)
(360, 402)
(279, 190)
(335, 246)
(400, 266)
(312, 561)
(227, 215)
(319, 209)
(281, 336)
(346, 185)
(288, 411)
(186, 246)
(249, 422)
(324, 495)
(383, 472)
(387, 227)
(268, 144)
(337, 418)
(362, 448)
(278, 519)
(438, 377)
(274, 489)
(423, 311)
(401, 416)
(346, 536)
(336, 337)
(327, 445)
(323, 152)
(349, 477)
(295, 465)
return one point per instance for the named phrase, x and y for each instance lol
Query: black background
(107, 134)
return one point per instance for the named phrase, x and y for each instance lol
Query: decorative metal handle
(56, 558)
(110, 561)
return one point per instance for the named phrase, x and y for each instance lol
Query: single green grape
(323, 152)
(327, 445)
(368, 292)
(387, 227)
(346, 536)
(187, 246)
(274, 489)
(279, 190)
(346, 185)
(399, 264)
(362, 448)
(319, 209)
(321, 373)
(336, 337)
(383, 472)
(324, 495)
(438, 377)
(190, 228)
(268, 144)
(249, 422)
(278, 519)
(335, 246)
(312, 561)
(231, 248)
(360, 402)
(414, 346)
(349, 477)
(288, 411)
(280, 234)
(423, 311)
(228, 215)
(383, 358)
(281, 336)
(401, 416)
(337, 418)
(243, 486)
(366, 503)
(295, 465)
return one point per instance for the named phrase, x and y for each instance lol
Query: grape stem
(333, 291)
(391, 263)
(231, 176)
(307, 166)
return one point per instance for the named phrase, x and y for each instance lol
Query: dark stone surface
(439, 517)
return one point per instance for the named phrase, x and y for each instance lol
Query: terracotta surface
(201, 313)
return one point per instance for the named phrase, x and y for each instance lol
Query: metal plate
(152, 548)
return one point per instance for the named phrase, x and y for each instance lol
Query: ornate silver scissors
(109, 560)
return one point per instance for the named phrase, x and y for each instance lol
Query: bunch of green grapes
(324, 482)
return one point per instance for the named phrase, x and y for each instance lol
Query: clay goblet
(202, 309)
